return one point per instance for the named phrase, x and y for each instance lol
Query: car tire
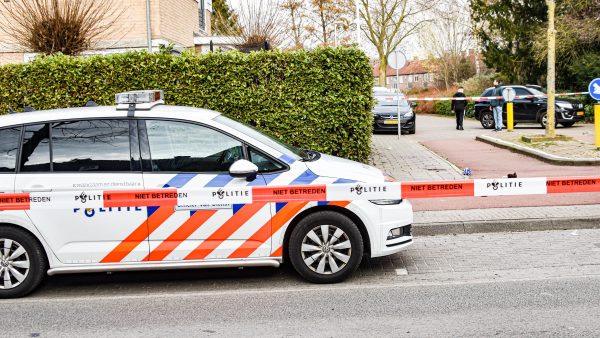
(325, 247)
(567, 124)
(487, 120)
(22, 263)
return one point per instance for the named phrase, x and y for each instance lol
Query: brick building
(414, 75)
(171, 21)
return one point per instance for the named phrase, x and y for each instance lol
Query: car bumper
(576, 115)
(380, 220)
(406, 124)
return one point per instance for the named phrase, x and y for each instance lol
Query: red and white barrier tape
(214, 198)
(473, 98)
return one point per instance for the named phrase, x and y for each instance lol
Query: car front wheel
(22, 263)
(325, 247)
(544, 120)
(487, 120)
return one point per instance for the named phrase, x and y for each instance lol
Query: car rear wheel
(325, 247)
(487, 120)
(567, 124)
(22, 263)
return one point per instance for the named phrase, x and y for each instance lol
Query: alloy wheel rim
(326, 249)
(14, 264)
(487, 120)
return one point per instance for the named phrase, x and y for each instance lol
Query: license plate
(390, 122)
(580, 113)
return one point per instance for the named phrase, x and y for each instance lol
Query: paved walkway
(408, 160)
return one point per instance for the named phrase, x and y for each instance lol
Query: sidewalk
(427, 223)
(408, 160)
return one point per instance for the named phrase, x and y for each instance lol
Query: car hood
(332, 166)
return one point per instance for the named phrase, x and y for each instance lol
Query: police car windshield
(293, 152)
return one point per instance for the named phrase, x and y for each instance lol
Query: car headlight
(564, 105)
(409, 114)
(386, 202)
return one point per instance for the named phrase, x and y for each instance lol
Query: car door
(73, 162)
(188, 156)
(523, 106)
(9, 148)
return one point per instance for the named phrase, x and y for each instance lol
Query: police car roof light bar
(141, 99)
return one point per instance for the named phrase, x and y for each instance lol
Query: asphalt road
(466, 285)
(533, 308)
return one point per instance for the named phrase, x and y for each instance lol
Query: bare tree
(447, 39)
(260, 23)
(66, 26)
(387, 23)
(329, 16)
(295, 9)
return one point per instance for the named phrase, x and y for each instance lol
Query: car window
(263, 162)
(521, 91)
(35, 153)
(93, 145)
(381, 101)
(289, 151)
(536, 92)
(187, 147)
(9, 145)
(487, 93)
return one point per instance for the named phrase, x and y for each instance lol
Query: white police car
(58, 169)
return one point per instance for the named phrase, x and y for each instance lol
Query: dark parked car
(385, 113)
(531, 110)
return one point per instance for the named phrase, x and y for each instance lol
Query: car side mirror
(243, 169)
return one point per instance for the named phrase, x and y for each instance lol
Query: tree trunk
(382, 71)
(324, 26)
(550, 130)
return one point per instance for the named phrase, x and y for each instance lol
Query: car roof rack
(91, 104)
(28, 109)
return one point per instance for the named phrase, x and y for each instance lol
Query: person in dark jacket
(458, 107)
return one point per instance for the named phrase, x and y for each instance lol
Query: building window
(202, 14)
(416, 78)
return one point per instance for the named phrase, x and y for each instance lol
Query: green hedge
(443, 108)
(318, 99)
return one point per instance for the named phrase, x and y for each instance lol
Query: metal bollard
(510, 116)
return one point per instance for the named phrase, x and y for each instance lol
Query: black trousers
(460, 116)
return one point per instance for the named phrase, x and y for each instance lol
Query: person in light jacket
(497, 105)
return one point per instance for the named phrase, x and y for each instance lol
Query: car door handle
(37, 189)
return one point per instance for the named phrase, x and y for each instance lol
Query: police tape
(473, 98)
(224, 197)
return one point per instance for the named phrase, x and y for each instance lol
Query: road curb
(540, 155)
(508, 225)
